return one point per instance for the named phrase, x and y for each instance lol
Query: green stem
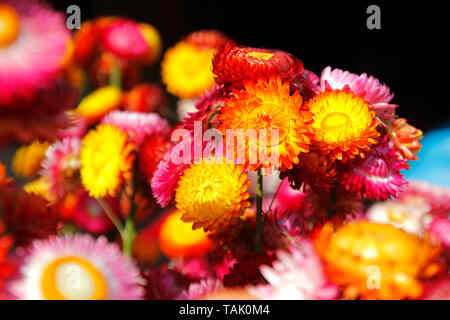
(111, 215)
(128, 236)
(130, 227)
(259, 202)
(115, 79)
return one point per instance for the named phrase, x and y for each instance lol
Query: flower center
(73, 278)
(260, 55)
(397, 216)
(9, 25)
(336, 121)
(265, 120)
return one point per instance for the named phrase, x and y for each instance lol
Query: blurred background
(408, 53)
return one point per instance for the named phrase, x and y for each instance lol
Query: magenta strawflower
(33, 46)
(440, 228)
(125, 39)
(377, 177)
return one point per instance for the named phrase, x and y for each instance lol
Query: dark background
(409, 53)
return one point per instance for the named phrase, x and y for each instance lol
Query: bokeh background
(408, 53)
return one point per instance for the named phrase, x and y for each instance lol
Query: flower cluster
(264, 181)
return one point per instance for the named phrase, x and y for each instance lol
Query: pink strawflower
(377, 95)
(76, 127)
(35, 58)
(138, 125)
(124, 39)
(440, 228)
(437, 290)
(296, 275)
(165, 179)
(205, 107)
(116, 276)
(201, 289)
(411, 216)
(437, 197)
(377, 176)
(291, 225)
(62, 165)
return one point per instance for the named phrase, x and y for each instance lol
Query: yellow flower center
(260, 55)
(336, 120)
(73, 278)
(397, 216)
(211, 194)
(344, 124)
(9, 25)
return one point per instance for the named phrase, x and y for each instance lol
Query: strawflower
(27, 159)
(268, 104)
(106, 160)
(47, 267)
(376, 261)
(212, 195)
(344, 125)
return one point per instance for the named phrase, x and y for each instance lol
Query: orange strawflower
(376, 261)
(178, 239)
(268, 104)
(406, 138)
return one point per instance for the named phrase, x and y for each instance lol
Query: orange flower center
(260, 55)
(336, 120)
(73, 278)
(9, 25)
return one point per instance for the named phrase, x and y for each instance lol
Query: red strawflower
(145, 98)
(7, 267)
(164, 284)
(234, 64)
(26, 216)
(42, 118)
(209, 39)
(151, 153)
(315, 170)
(246, 270)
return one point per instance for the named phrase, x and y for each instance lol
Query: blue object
(433, 165)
